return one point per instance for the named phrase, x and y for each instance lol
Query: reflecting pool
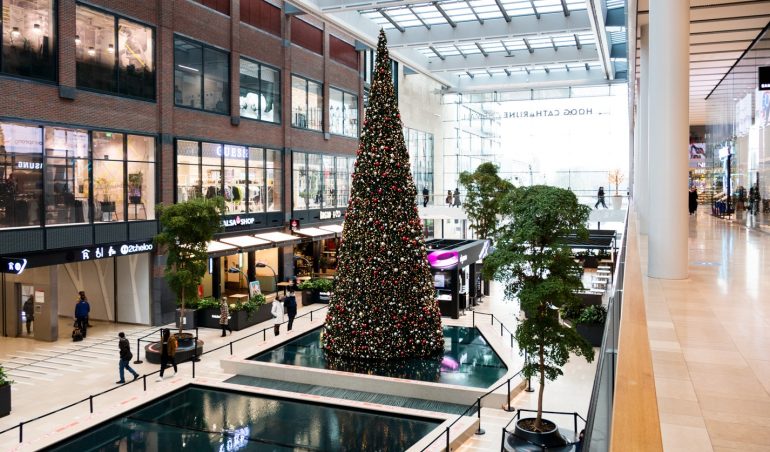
(468, 360)
(203, 419)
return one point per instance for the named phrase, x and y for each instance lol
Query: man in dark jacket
(125, 358)
(82, 308)
(29, 313)
(290, 303)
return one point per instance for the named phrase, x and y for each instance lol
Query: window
(306, 104)
(201, 77)
(141, 177)
(248, 178)
(114, 54)
(299, 176)
(329, 187)
(321, 181)
(261, 14)
(67, 183)
(29, 44)
(21, 175)
(260, 96)
(343, 181)
(343, 113)
(108, 176)
(314, 188)
(223, 6)
(420, 146)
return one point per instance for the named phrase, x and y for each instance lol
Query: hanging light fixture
(91, 51)
(111, 48)
(15, 33)
(77, 40)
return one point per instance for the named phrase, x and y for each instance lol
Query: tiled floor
(710, 341)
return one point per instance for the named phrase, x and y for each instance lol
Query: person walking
(457, 198)
(600, 198)
(29, 312)
(754, 199)
(125, 358)
(224, 316)
(277, 312)
(82, 308)
(425, 196)
(168, 345)
(692, 200)
(290, 303)
(449, 198)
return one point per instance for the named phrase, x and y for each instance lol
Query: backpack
(77, 335)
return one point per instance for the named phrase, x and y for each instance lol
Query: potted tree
(103, 189)
(484, 190)
(536, 266)
(135, 181)
(5, 393)
(616, 178)
(186, 229)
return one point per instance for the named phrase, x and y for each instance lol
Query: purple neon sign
(443, 259)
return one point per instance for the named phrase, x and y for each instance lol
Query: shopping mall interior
(653, 114)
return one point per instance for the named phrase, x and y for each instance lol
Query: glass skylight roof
(531, 69)
(509, 45)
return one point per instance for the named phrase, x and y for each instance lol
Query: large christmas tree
(383, 306)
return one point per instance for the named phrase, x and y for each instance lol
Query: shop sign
(13, 265)
(29, 165)
(329, 214)
(101, 252)
(763, 74)
(238, 221)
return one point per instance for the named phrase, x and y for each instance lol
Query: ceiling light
(15, 32)
(91, 51)
(77, 40)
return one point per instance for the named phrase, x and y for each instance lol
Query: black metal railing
(192, 359)
(507, 432)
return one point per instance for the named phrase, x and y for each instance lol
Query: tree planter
(5, 400)
(591, 332)
(188, 322)
(617, 202)
(309, 297)
(526, 440)
(183, 353)
(239, 320)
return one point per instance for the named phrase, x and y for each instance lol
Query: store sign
(549, 113)
(12, 265)
(29, 165)
(763, 76)
(105, 251)
(329, 214)
(232, 152)
(238, 221)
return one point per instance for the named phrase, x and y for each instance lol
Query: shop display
(383, 306)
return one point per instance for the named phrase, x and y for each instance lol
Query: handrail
(192, 359)
(635, 418)
(575, 415)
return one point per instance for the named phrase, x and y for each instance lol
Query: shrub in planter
(5, 393)
(590, 324)
(312, 289)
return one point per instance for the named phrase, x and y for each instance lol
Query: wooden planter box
(591, 332)
(209, 318)
(5, 400)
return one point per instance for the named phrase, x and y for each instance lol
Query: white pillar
(641, 189)
(668, 136)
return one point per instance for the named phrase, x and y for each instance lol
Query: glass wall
(114, 54)
(321, 181)
(343, 113)
(248, 178)
(420, 147)
(201, 77)
(307, 101)
(56, 176)
(29, 39)
(260, 96)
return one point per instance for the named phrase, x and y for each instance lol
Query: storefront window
(188, 165)
(306, 104)
(67, 185)
(273, 176)
(235, 178)
(343, 113)
(420, 147)
(108, 176)
(336, 119)
(329, 187)
(28, 39)
(343, 182)
(141, 177)
(105, 42)
(260, 96)
(256, 189)
(299, 164)
(314, 187)
(201, 77)
(21, 175)
(212, 170)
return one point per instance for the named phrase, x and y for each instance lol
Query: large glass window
(299, 189)
(343, 181)
(321, 181)
(306, 104)
(260, 96)
(114, 54)
(246, 177)
(201, 77)
(29, 38)
(21, 175)
(420, 147)
(314, 186)
(67, 184)
(141, 177)
(108, 176)
(329, 187)
(343, 113)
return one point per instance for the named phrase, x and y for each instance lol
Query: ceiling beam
(517, 58)
(596, 15)
(390, 19)
(565, 8)
(493, 29)
(357, 5)
(446, 16)
(503, 11)
(534, 80)
(534, 8)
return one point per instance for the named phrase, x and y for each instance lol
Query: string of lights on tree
(383, 306)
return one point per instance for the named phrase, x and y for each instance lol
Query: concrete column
(641, 190)
(668, 139)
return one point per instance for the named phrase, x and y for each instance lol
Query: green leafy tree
(186, 229)
(383, 305)
(536, 267)
(484, 191)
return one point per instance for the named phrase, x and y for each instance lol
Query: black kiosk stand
(449, 260)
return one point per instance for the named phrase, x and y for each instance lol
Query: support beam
(424, 24)
(390, 19)
(446, 16)
(565, 8)
(596, 16)
(534, 80)
(484, 52)
(641, 178)
(517, 58)
(493, 29)
(503, 11)
(473, 10)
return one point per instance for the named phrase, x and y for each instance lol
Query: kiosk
(455, 275)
